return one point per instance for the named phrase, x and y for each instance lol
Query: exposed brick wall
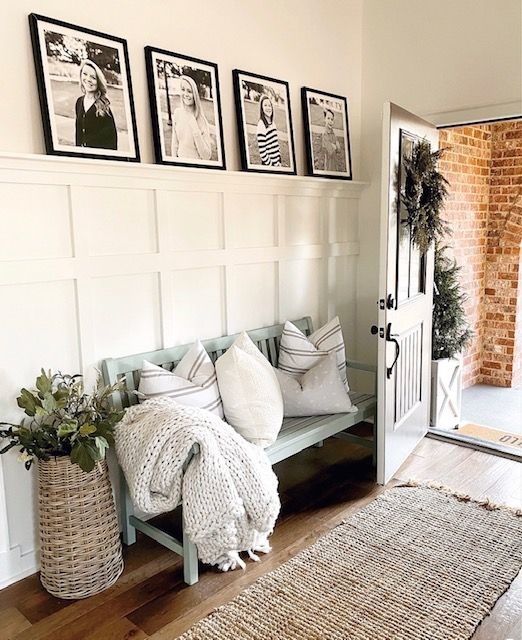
(484, 209)
(466, 165)
(501, 361)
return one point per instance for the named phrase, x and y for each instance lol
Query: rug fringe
(486, 502)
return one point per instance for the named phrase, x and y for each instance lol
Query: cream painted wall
(428, 56)
(307, 43)
(450, 60)
(82, 241)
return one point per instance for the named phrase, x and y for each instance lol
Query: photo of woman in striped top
(267, 138)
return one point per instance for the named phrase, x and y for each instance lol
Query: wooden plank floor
(319, 488)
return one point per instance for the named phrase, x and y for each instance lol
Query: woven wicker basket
(80, 549)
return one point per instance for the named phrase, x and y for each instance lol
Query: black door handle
(392, 338)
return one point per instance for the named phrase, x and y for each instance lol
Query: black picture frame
(251, 91)
(325, 117)
(165, 91)
(73, 125)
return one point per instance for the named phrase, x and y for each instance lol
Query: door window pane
(410, 261)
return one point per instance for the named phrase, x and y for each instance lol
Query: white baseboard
(14, 565)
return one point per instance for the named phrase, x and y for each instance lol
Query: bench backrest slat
(129, 367)
(273, 348)
(264, 348)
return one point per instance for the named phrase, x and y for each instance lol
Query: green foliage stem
(63, 420)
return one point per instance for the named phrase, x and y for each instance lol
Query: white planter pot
(446, 393)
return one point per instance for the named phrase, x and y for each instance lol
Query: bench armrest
(361, 366)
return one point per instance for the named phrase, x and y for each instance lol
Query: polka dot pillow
(319, 391)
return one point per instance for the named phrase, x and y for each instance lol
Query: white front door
(405, 305)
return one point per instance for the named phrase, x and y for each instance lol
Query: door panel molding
(408, 380)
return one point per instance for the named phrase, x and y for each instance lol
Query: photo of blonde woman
(186, 110)
(85, 91)
(190, 130)
(95, 126)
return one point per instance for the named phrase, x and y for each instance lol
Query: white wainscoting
(103, 259)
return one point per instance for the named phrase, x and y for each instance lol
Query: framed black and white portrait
(85, 91)
(186, 110)
(327, 137)
(264, 120)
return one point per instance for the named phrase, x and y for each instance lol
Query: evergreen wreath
(425, 190)
(450, 330)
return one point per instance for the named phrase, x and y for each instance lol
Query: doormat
(418, 563)
(492, 435)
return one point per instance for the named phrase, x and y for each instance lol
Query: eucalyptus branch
(63, 420)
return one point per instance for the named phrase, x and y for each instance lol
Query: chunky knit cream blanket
(229, 491)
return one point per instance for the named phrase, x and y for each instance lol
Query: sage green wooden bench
(296, 433)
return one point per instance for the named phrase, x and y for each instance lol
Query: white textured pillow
(298, 353)
(251, 395)
(193, 382)
(319, 391)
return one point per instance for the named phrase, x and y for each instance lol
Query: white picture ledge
(57, 170)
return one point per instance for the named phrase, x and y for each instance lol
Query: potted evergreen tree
(451, 334)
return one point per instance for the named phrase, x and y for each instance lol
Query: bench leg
(190, 560)
(319, 444)
(126, 510)
(190, 552)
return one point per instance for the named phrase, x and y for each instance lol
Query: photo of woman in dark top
(95, 126)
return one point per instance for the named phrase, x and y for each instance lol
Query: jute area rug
(418, 563)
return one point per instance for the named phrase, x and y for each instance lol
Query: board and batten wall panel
(103, 259)
(39, 328)
(117, 221)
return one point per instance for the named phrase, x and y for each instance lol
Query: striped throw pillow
(298, 353)
(193, 382)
